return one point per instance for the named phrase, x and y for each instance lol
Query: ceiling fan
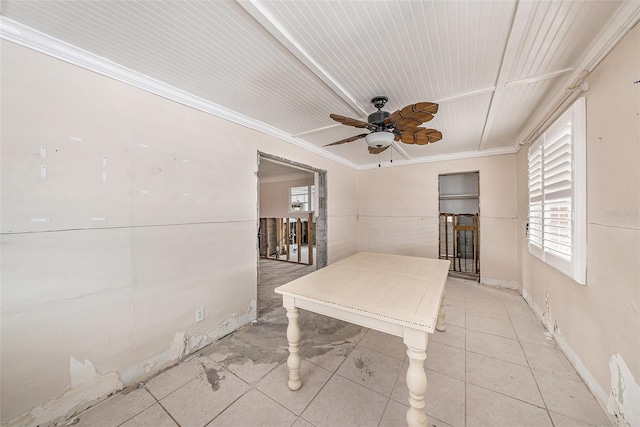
(401, 125)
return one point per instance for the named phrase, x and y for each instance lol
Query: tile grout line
(333, 373)
(544, 402)
(465, 361)
(226, 371)
(251, 387)
(276, 402)
(392, 388)
(161, 405)
(132, 417)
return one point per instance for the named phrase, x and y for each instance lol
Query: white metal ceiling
(490, 64)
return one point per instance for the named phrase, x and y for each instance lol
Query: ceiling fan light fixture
(379, 139)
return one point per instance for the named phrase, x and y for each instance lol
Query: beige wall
(398, 212)
(179, 231)
(601, 320)
(87, 304)
(275, 199)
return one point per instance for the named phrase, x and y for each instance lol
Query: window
(302, 198)
(557, 194)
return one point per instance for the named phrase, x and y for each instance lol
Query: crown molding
(22, 35)
(279, 32)
(627, 15)
(443, 158)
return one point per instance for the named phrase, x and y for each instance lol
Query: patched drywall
(87, 386)
(600, 322)
(624, 399)
(147, 212)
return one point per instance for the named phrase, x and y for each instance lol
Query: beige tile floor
(273, 274)
(494, 366)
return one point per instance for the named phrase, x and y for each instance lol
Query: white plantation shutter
(556, 172)
(557, 197)
(535, 198)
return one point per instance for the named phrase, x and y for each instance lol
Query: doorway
(292, 225)
(459, 231)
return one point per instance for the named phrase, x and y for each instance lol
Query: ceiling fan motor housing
(377, 117)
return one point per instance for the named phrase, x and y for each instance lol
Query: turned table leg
(293, 336)
(416, 342)
(443, 311)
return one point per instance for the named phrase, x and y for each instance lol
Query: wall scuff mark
(546, 316)
(624, 399)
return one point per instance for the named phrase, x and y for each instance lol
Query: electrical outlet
(200, 314)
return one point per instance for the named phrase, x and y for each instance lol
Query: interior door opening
(292, 225)
(459, 231)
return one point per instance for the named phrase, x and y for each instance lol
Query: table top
(401, 289)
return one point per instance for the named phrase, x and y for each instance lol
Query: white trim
(22, 35)
(627, 15)
(499, 283)
(582, 370)
(575, 266)
(307, 132)
(466, 95)
(625, 18)
(509, 54)
(588, 378)
(537, 78)
(443, 158)
(398, 147)
(273, 27)
(579, 141)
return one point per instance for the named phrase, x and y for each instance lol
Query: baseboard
(95, 387)
(499, 283)
(596, 389)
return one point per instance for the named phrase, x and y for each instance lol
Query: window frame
(310, 199)
(538, 244)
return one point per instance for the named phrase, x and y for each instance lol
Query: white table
(399, 295)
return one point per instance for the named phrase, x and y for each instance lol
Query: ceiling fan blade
(429, 107)
(418, 118)
(421, 136)
(376, 150)
(423, 111)
(350, 139)
(352, 122)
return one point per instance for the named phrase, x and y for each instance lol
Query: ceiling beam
(508, 57)
(465, 95)
(538, 77)
(306, 132)
(400, 150)
(264, 18)
(627, 15)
